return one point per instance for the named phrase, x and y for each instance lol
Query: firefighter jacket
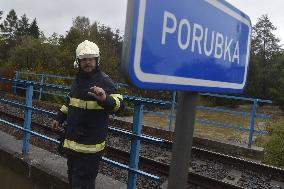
(86, 117)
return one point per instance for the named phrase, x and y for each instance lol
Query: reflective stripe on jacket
(86, 117)
(83, 148)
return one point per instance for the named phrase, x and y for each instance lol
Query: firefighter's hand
(98, 93)
(55, 126)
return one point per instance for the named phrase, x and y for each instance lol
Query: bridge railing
(41, 79)
(252, 115)
(136, 134)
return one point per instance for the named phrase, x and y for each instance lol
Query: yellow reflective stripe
(84, 104)
(77, 103)
(64, 109)
(93, 105)
(83, 148)
(117, 98)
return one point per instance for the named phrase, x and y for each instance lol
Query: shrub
(274, 148)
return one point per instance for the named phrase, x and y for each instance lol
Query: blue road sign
(188, 45)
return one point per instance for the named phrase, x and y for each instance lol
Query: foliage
(82, 24)
(277, 90)
(9, 27)
(23, 26)
(8, 31)
(13, 32)
(1, 13)
(265, 49)
(255, 77)
(274, 151)
(264, 42)
(34, 29)
(24, 46)
(33, 55)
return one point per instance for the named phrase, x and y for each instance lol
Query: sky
(57, 15)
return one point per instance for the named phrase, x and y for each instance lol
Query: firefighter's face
(87, 64)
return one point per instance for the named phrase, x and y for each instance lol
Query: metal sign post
(183, 138)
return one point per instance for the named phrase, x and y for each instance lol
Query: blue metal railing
(41, 78)
(253, 114)
(136, 134)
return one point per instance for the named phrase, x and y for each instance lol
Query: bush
(274, 150)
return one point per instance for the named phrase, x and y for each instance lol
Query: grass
(221, 133)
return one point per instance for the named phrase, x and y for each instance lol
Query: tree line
(24, 47)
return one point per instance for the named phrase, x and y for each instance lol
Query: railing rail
(171, 104)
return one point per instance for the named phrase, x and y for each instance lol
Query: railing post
(41, 88)
(28, 119)
(15, 84)
(135, 146)
(253, 113)
(172, 110)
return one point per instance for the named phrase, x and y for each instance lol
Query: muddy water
(12, 180)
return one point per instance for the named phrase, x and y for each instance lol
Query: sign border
(176, 80)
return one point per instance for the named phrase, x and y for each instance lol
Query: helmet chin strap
(76, 63)
(98, 60)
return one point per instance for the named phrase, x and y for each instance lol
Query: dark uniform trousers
(83, 170)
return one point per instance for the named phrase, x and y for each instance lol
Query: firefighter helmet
(87, 49)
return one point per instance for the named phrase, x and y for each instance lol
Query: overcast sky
(57, 15)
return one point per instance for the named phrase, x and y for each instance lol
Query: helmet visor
(87, 56)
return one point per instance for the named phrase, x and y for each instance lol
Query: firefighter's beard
(84, 73)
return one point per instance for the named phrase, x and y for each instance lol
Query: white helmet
(87, 49)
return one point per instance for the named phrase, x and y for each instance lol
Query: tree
(2, 47)
(24, 55)
(9, 27)
(8, 31)
(1, 39)
(254, 81)
(35, 56)
(118, 41)
(82, 24)
(34, 29)
(1, 13)
(94, 31)
(278, 90)
(264, 42)
(23, 26)
(54, 39)
(265, 49)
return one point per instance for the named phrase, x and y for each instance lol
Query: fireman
(92, 98)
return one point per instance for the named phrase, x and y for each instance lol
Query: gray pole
(181, 151)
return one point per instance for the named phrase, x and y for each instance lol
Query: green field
(221, 133)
